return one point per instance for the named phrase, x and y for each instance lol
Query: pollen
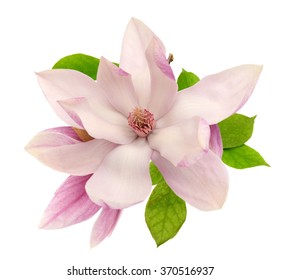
(141, 121)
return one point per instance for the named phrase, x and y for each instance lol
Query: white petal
(104, 225)
(100, 120)
(133, 59)
(163, 91)
(203, 185)
(215, 97)
(123, 177)
(66, 154)
(58, 84)
(183, 143)
(117, 86)
(136, 39)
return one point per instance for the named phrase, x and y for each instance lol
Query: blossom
(71, 204)
(135, 114)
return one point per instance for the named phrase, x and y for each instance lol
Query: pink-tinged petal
(133, 59)
(182, 144)
(156, 53)
(123, 177)
(59, 84)
(203, 185)
(215, 97)
(163, 91)
(66, 154)
(65, 130)
(215, 140)
(70, 205)
(99, 121)
(53, 137)
(117, 86)
(136, 39)
(67, 105)
(104, 225)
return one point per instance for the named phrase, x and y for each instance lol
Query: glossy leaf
(186, 79)
(236, 130)
(165, 212)
(80, 62)
(242, 157)
(156, 176)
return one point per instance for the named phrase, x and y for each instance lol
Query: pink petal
(163, 91)
(99, 120)
(215, 97)
(59, 84)
(104, 225)
(156, 53)
(66, 154)
(65, 130)
(136, 39)
(70, 205)
(123, 177)
(133, 59)
(215, 140)
(203, 185)
(182, 144)
(117, 86)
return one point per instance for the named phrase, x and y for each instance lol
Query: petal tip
(257, 68)
(135, 20)
(94, 243)
(29, 148)
(43, 224)
(260, 68)
(43, 74)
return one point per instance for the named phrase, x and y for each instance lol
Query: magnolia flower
(71, 203)
(134, 115)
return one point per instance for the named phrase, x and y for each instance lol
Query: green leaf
(186, 79)
(165, 212)
(80, 62)
(156, 176)
(242, 157)
(236, 130)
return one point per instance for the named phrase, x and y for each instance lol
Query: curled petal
(136, 39)
(159, 56)
(104, 225)
(99, 120)
(163, 91)
(59, 84)
(123, 177)
(66, 154)
(215, 97)
(215, 140)
(203, 185)
(134, 58)
(117, 86)
(70, 205)
(182, 144)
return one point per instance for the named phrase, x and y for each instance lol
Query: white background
(242, 240)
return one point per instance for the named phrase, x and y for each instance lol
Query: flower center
(142, 121)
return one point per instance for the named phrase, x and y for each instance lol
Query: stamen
(142, 121)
